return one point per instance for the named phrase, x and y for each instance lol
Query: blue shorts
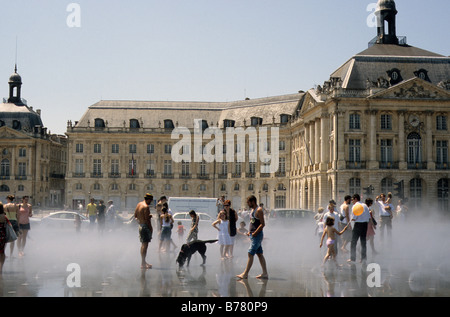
(166, 232)
(256, 244)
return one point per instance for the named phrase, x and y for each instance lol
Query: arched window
(134, 124)
(16, 125)
(168, 124)
(4, 189)
(99, 123)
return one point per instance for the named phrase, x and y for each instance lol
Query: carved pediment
(8, 133)
(413, 89)
(309, 102)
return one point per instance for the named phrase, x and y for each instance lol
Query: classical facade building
(32, 160)
(379, 122)
(120, 150)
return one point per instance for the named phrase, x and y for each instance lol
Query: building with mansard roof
(119, 150)
(32, 160)
(380, 123)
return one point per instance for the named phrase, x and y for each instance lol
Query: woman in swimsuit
(331, 232)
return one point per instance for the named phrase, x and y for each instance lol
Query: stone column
(312, 147)
(429, 140)
(324, 144)
(339, 138)
(317, 138)
(401, 140)
(372, 132)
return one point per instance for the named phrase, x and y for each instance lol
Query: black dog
(187, 250)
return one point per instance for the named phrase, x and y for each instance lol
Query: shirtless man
(143, 216)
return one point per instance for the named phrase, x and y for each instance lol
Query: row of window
(184, 187)
(22, 152)
(132, 148)
(168, 123)
(386, 122)
(413, 150)
(167, 167)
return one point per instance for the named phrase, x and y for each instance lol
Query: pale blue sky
(190, 50)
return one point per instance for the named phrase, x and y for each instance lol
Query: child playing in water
(331, 232)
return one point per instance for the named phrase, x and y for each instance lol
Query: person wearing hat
(143, 216)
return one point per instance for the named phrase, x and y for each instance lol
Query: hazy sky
(189, 50)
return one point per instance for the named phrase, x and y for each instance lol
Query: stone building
(119, 150)
(380, 123)
(32, 160)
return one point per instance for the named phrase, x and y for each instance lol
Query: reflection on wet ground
(109, 266)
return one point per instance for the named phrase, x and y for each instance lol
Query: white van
(186, 204)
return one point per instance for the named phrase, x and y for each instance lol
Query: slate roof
(151, 113)
(374, 63)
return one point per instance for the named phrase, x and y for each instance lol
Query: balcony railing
(356, 165)
(442, 166)
(388, 165)
(417, 166)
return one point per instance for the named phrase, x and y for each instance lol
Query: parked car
(63, 219)
(289, 215)
(205, 220)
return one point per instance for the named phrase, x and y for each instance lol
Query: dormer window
(228, 123)
(204, 125)
(168, 124)
(422, 74)
(284, 118)
(16, 125)
(134, 124)
(255, 121)
(99, 123)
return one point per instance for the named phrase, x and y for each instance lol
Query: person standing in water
(23, 217)
(331, 232)
(193, 232)
(11, 209)
(143, 216)
(256, 237)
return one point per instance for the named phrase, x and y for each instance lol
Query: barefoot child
(331, 232)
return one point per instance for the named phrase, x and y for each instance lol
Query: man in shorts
(143, 216)
(256, 237)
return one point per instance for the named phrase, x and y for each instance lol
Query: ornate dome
(386, 5)
(15, 78)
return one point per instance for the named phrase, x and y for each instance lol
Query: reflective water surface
(415, 262)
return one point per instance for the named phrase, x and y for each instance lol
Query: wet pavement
(109, 266)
